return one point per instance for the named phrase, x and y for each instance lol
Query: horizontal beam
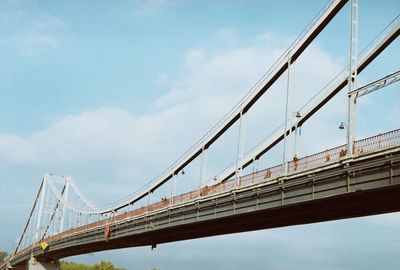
(376, 85)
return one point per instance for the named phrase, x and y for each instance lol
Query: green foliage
(2, 256)
(80, 266)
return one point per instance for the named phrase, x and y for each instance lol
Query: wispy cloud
(162, 79)
(227, 34)
(32, 32)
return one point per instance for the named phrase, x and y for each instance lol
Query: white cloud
(32, 32)
(194, 58)
(43, 41)
(228, 75)
(227, 34)
(103, 134)
(162, 79)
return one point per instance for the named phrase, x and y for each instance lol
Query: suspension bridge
(357, 179)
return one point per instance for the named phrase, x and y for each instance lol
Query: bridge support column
(239, 151)
(39, 213)
(286, 132)
(351, 129)
(34, 264)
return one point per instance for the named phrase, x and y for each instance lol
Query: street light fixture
(342, 125)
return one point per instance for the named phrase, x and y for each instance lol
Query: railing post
(352, 76)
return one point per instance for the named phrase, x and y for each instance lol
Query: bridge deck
(347, 187)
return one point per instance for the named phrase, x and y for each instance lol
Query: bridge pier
(34, 264)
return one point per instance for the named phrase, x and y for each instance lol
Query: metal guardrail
(367, 145)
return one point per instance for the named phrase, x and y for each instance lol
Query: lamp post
(343, 126)
(352, 82)
(297, 133)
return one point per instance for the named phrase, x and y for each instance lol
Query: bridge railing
(316, 160)
(367, 145)
(377, 142)
(332, 155)
(298, 165)
(261, 176)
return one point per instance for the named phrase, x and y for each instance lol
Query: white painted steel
(376, 85)
(352, 82)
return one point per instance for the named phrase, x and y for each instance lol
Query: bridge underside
(366, 185)
(364, 203)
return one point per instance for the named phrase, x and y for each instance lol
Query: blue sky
(111, 93)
